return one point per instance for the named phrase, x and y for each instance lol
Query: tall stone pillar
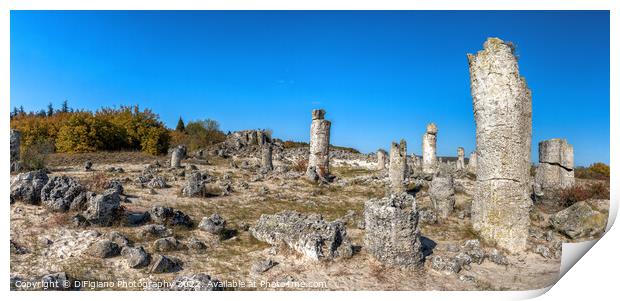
(319, 143)
(429, 149)
(503, 114)
(266, 158)
(178, 154)
(398, 166)
(555, 166)
(381, 159)
(460, 161)
(473, 163)
(16, 138)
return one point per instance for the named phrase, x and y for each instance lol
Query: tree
(65, 107)
(50, 110)
(21, 110)
(180, 125)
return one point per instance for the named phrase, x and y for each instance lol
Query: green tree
(50, 109)
(180, 125)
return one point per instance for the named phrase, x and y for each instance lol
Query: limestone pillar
(266, 159)
(319, 143)
(178, 154)
(473, 163)
(429, 151)
(398, 166)
(460, 161)
(381, 159)
(555, 168)
(503, 114)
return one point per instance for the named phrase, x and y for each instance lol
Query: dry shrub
(34, 156)
(300, 165)
(569, 196)
(294, 144)
(597, 171)
(97, 182)
(57, 220)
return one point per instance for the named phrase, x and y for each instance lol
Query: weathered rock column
(460, 161)
(266, 159)
(319, 143)
(429, 152)
(178, 154)
(16, 138)
(381, 159)
(472, 165)
(398, 166)
(503, 114)
(442, 195)
(555, 168)
(392, 230)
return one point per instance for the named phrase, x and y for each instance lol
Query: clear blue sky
(381, 76)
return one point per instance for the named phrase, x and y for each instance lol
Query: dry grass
(63, 159)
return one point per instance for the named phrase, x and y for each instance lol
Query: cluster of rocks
(461, 258)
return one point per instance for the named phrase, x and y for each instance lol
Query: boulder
(153, 231)
(102, 209)
(104, 248)
(165, 264)
(26, 187)
(214, 224)
(309, 235)
(59, 193)
(170, 217)
(195, 184)
(578, 221)
(442, 195)
(167, 244)
(135, 257)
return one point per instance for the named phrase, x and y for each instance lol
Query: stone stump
(392, 230)
(178, 154)
(503, 114)
(473, 163)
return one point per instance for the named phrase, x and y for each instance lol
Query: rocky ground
(212, 233)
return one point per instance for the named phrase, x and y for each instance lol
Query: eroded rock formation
(398, 166)
(429, 149)
(319, 143)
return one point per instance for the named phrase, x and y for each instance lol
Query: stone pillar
(266, 159)
(16, 138)
(392, 230)
(473, 163)
(178, 154)
(429, 145)
(319, 143)
(381, 159)
(503, 114)
(460, 161)
(555, 166)
(442, 195)
(398, 166)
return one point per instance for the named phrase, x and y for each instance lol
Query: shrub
(294, 144)
(569, 196)
(598, 171)
(34, 155)
(300, 165)
(199, 134)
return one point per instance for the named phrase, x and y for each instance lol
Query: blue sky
(381, 76)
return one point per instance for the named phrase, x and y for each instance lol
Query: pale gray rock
(319, 143)
(460, 161)
(104, 248)
(429, 149)
(442, 195)
(398, 166)
(503, 114)
(309, 235)
(102, 209)
(14, 152)
(60, 192)
(165, 264)
(555, 168)
(178, 154)
(578, 221)
(214, 224)
(135, 257)
(26, 187)
(382, 159)
(392, 230)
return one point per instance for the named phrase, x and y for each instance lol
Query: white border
(585, 282)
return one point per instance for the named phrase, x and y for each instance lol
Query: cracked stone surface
(503, 114)
(556, 166)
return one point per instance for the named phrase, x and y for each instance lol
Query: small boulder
(136, 257)
(102, 209)
(214, 224)
(165, 264)
(578, 221)
(104, 249)
(26, 187)
(167, 244)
